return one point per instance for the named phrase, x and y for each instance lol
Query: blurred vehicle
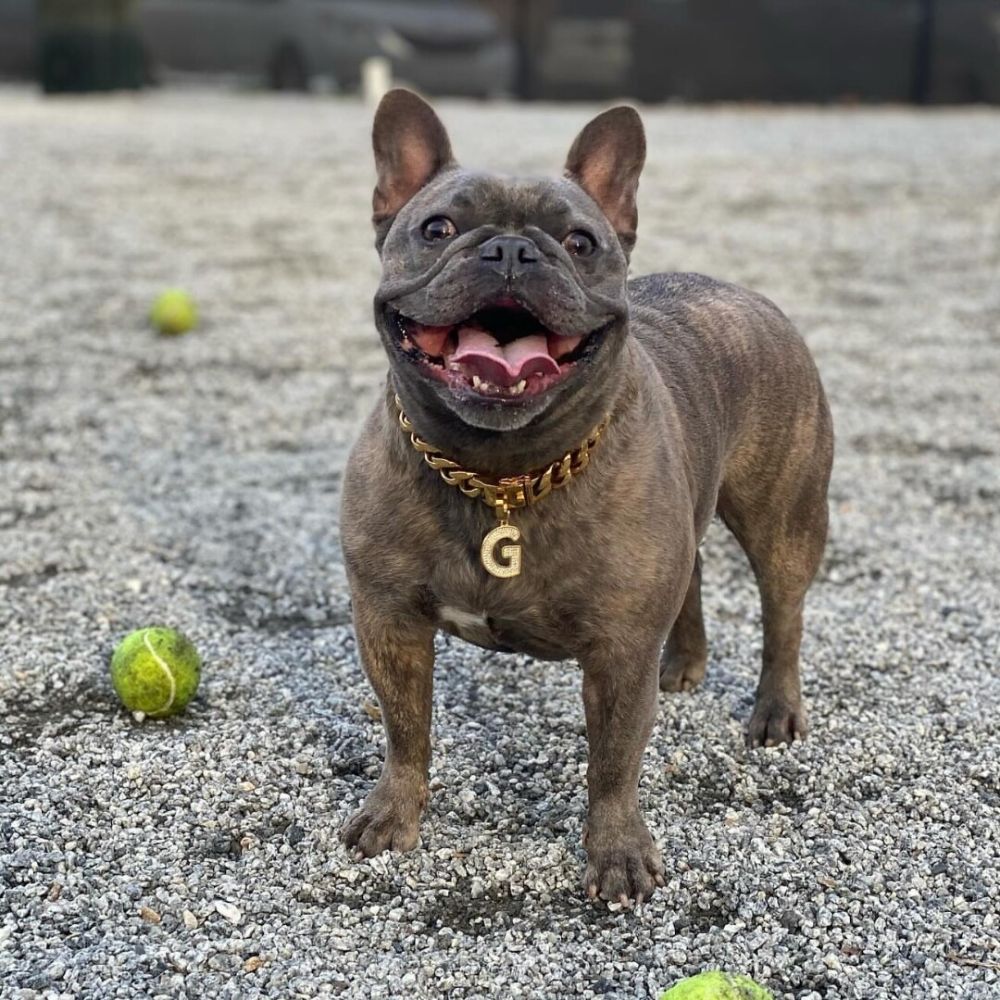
(817, 50)
(584, 49)
(439, 46)
(17, 38)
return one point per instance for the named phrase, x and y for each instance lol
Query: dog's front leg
(620, 697)
(397, 651)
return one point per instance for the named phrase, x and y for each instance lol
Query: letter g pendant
(510, 554)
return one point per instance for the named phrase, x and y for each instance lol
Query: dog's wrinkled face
(500, 296)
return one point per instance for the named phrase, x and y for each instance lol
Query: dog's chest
(512, 615)
(549, 607)
(529, 633)
(472, 626)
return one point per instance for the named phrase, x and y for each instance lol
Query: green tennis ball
(716, 986)
(155, 671)
(174, 312)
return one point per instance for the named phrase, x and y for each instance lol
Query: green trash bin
(89, 45)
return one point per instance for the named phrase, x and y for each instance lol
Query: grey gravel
(194, 482)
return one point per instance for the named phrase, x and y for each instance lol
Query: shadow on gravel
(32, 579)
(246, 614)
(477, 916)
(26, 718)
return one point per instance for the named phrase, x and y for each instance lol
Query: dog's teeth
(519, 388)
(476, 382)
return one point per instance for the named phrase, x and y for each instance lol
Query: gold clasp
(501, 509)
(512, 491)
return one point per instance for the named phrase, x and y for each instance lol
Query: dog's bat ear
(411, 146)
(606, 160)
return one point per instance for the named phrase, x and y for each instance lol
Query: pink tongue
(506, 365)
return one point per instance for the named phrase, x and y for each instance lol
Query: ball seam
(166, 669)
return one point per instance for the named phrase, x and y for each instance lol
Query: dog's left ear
(411, 146)
(606, 161)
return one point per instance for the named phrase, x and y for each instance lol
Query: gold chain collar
(507, 493)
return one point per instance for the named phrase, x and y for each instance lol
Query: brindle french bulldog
(512, 333)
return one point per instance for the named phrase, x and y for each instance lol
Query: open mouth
(502, 352)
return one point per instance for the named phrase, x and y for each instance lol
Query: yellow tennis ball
(155, 671)
(174, 312)
(716, 986)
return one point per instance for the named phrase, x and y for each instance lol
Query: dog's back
(766, 406)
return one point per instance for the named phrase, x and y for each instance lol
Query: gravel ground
(195, 482)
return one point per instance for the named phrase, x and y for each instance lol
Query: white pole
(376, 78)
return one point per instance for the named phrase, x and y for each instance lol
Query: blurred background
(922, 51)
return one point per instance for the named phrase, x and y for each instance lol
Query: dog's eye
(439, 228)
(579, 243)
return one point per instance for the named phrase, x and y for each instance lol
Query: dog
(552, 444)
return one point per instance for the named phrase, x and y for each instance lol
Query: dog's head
(501, 296)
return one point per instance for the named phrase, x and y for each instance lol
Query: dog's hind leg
(778, 513)
(682, 665)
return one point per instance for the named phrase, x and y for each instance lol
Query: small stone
(190, 920)
(225, 845)
(150, 916)
(232, 913)
(295, 834)
(253, 963)
(55, 891)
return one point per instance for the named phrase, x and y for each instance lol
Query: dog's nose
(510, 255)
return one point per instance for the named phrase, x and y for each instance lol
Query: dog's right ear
(411, 146)
(606, 161)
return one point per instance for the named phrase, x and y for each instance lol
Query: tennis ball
(716, 986)
(174, 312)
(155, 671)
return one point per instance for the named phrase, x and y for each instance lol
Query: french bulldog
(516, 343)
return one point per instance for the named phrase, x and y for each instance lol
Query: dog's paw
(388, 821)
(622, 867)
(775, 721)
(682, 673)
